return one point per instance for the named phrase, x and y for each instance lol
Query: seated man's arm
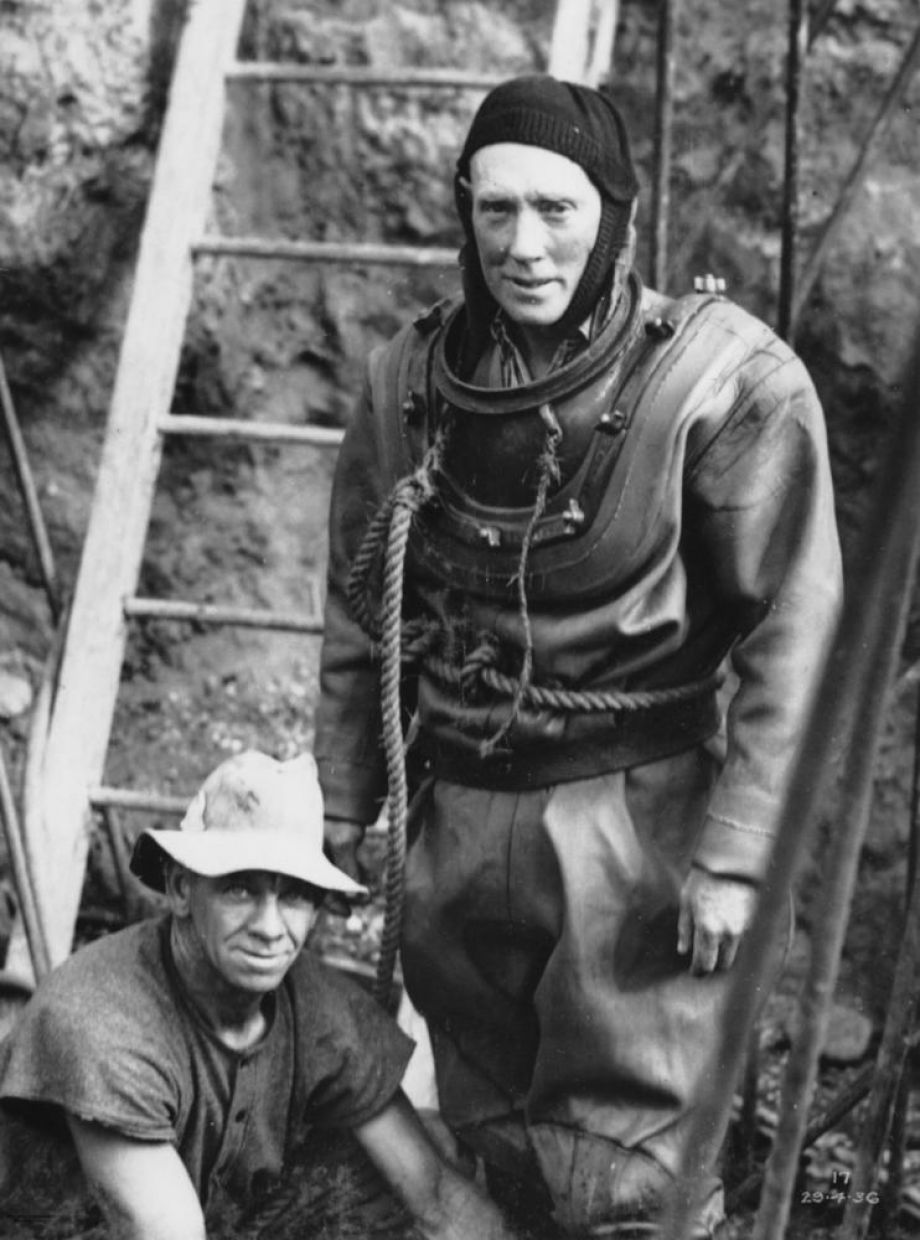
(142, 1187)
(446, 1206)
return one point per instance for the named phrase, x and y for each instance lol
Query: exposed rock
(849, 1033)
(15, 695)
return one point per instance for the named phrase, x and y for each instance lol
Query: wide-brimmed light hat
(251, 813)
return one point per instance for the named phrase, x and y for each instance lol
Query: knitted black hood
(579, 123)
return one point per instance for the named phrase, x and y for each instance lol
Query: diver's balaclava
(583, 125)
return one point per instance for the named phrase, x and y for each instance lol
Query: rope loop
(474, 678)
(548, 474)
(387, 539)
(483, 658)
(408, 496)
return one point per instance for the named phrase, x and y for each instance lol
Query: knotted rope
(386, 539)
(567, 701)
(548, 473)
(391, 527)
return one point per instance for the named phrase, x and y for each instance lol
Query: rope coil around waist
(569, 701)
(383, 553)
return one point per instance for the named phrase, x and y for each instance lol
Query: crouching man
(189, 1054)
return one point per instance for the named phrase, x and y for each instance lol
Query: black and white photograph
(459, 619)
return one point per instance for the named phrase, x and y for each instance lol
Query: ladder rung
(235, 428)
(358, 252)
(360, 75)
(348, 964)
(106, 797)
(127, 798)
(206, 613)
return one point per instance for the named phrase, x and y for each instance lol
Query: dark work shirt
(110, 1037)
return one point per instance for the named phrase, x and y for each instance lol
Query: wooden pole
(176, 215)
(844, 717)
(837, 893)
(582, 43)
(32, 919)
(798, 37)
(27, 487)
(809, 273)
(661, 188)
(888, 1102)
(889, 1065)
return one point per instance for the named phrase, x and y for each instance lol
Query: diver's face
(535, 220)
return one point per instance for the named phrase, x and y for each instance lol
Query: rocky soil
(82, 86)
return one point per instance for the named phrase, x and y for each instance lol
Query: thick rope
(387, 537)
(569, 701)
(407, 498)
(357, 592)
(548, 473)
(398, 789)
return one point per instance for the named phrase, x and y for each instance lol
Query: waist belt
(608, 742)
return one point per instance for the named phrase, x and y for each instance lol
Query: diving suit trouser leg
(541, 943)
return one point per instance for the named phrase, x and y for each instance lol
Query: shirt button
(240, 1116)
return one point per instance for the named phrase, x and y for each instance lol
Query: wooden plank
(358, 252)
(236, 428)
(29, 491)
(582, 42)
(177, 211)
(360, 75)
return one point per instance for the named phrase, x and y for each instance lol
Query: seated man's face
(249, 927)
(535, 221)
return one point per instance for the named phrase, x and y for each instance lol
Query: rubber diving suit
(684, 529)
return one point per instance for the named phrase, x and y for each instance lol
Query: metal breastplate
(471, 543)
(592, 532)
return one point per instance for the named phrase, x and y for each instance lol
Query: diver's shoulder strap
(399, 379)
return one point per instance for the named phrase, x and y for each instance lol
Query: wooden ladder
(66, 780)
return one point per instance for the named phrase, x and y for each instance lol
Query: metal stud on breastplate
(612, 422)
(708, 283)
(431, 318)
(489, 535)
(659, 328)
(574, 517)
(413, 407)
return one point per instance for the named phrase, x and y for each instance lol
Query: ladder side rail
(113, 548)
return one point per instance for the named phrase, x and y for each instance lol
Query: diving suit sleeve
(762, 493)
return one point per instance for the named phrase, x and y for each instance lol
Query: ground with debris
(81, 89)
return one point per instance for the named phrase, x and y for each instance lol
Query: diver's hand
(715, 912)
(342, 839)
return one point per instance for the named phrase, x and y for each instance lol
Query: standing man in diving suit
(618, 498)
